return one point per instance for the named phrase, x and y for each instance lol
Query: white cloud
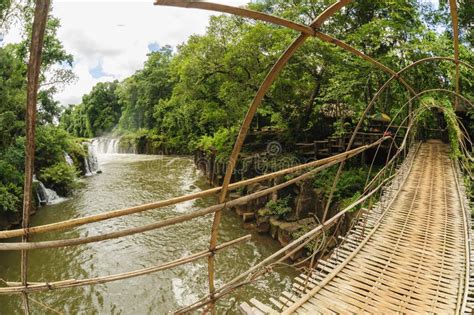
(116, 34)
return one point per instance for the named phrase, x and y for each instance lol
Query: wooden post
(36, 47)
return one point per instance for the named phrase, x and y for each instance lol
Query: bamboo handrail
(308, 295)
(163, 203)
(467, 270)
(47, 286)
(205, 300)
(181, 218)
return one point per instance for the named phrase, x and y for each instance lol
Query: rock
(249, 225)
(248, 216)
(240, 210)
(287, 229)
(274, 226)
(263, 220)
(305, 201)
(259, 202)
(296, 255)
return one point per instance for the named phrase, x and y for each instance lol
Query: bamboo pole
(251, 14)
(313, 291)
(264, 87)
(467, 261)
(454, 17)
(63, 284)
(354, 51)
(223, 290)
(245, 13)
(369, 107)
(34, 65)
(182, 218)
(159, 204)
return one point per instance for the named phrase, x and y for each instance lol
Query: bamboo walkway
(409, 254)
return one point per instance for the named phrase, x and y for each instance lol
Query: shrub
(351, 182)
(61, 177)
(280, 207)
(10, 198)
(222, 141)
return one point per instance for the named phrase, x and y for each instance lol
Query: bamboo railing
(308, 169)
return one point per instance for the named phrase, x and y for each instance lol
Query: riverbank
(128, 180)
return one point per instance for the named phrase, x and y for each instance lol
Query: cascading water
(106, 145)
(68, 159)
(45, 195)
(91, 163)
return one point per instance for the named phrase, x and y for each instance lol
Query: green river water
(129, 180)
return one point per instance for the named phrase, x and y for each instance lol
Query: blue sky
(110, 39)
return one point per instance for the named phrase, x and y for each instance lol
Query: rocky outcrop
(307, 208)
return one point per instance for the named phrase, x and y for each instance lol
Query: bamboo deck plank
(411, 257)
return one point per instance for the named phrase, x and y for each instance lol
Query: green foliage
(61, 177)
(313, 245)
(280, 207)
(10, 198)
(350, 186)
(222, 141)
(98, 114)
(350, 200)
(198, 95)
(51, 141)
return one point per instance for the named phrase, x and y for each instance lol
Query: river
(129, 180)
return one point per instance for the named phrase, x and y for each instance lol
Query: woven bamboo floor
(408, 255)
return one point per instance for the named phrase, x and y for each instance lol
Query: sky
(111, 39)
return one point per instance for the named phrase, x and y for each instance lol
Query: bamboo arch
(40, 18)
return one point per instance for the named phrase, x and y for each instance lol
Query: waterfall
(91, 164)
(45, 195)
(106, 145)
(68, 159)
(41, 192)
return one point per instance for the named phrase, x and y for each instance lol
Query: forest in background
(196, 95)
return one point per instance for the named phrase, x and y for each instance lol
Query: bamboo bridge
(409, 254)
(408, 251)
